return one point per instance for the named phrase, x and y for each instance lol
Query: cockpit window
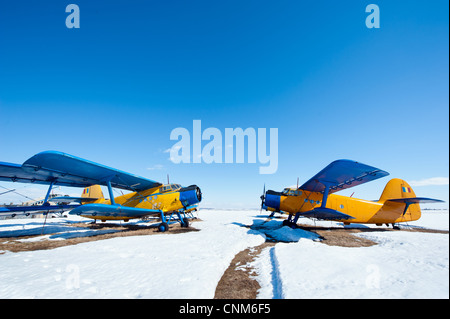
(168, 188)
(291, 192)
(165, 189)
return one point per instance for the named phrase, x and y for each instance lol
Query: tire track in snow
(277, 283)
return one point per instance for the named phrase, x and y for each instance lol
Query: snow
(403, 265)
(276, 232)
(189, 265)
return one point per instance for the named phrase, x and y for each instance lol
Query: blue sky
(113, 90)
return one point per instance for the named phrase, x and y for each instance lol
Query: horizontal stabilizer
(326, 214)
(415, 200)
(112, 210)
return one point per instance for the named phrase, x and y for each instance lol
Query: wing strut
(111, 195)
(46, 203)
(49, 190)
(325, 194)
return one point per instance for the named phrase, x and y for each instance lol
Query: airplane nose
(190, 195)
(272, 199)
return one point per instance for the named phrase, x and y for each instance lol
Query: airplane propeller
(198, 193)
(263, 197)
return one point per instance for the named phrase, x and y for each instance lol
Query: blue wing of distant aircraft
(68, 170)
(342, 174)
(36, 209)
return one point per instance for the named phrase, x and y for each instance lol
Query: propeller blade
(263, 197)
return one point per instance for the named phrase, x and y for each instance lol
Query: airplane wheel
(163, 227)
(185, 222)
(289, 224)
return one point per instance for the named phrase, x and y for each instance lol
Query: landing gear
(291, 221)
(163, 227)
(289, 224)
(165, 221)
(185, 222)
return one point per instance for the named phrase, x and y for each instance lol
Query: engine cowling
(190, 195)
(272, 199)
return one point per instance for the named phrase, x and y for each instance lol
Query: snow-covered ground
(189, 265)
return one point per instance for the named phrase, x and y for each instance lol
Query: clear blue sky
(113, 90)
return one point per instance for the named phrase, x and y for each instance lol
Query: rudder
(396, 188)
(93, 192)
(399, 201)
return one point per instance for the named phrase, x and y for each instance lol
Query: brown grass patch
(344, 237)
(236, 282)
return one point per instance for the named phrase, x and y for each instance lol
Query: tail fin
(399, 198)
(395, 189)
(93, 192)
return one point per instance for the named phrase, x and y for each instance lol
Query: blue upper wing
(68, 170)
(342, 174)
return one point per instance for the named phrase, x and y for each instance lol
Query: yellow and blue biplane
(316, 199)
(171, 202)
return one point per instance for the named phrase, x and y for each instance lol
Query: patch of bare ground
(14, 244)
(344, 237)
(236, 282)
